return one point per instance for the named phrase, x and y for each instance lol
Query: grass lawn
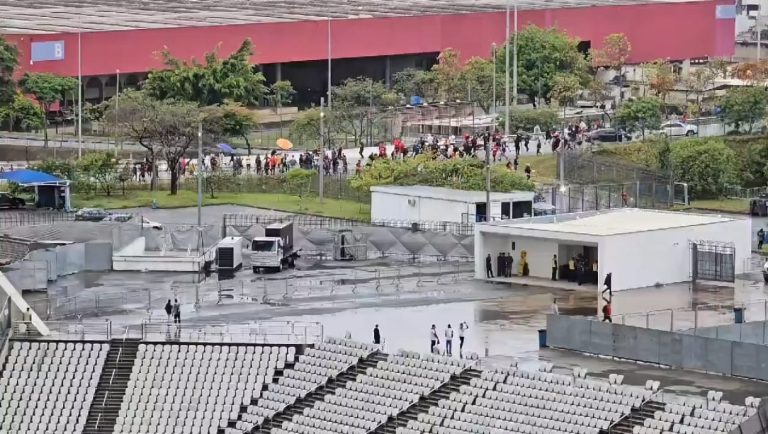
(736, 206)
(278, 202)
(544, 167)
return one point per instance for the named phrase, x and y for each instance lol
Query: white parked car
(154, 225)
(676, 128)
(122, 218)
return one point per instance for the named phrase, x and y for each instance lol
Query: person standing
(555, 309)
(449, 341)
(433, 339)
(176, 311)
(607, 312)
(168, 309)
(554, 267)
(489, 267)
(462, 328)
(376, 335)
(760, 238)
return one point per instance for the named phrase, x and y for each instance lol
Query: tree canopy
(231, 120)
(212, 82)
(22, 114)
(707, 165)
(415, 82)
(641, 114)
(744, 106)
(47, 89)
(462, 174)
(9, 60)
(354, 106)
(614, 54)
(542, 55)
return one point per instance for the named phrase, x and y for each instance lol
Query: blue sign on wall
(50, 50)
(725, 12)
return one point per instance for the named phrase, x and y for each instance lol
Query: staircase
(317, 395)
(112, 385)
(426, 402)
(636, 417)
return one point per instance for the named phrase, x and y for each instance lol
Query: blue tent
(50, 191)
(30, 177)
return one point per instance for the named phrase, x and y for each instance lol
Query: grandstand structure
(130, 385)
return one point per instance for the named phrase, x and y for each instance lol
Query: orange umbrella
(284, 144)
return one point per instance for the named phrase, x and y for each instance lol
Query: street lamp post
(506, 87)
(514, 62)
(322, 147)
(117, 105)
(493, 55)
(79, 93)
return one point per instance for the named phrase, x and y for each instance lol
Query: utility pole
(487, 180)
(493, 55)
(200, 174)
(329, 65)
(79, 93)
(117, 106)
(759, 33)
(506, 91)
(514, 60)
(322, 147)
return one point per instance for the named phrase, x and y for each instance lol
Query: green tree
(641, 114)
(165, 128)
(415, 82)
(354, 106)
(298, 181)
(231, 120)
(543, 54)
(101, 169)
(305, 129)
(598, 91)
(9, 60)
(697, 82)
(707, 165)
(614, 55)
(280, 93)
(59, 168)
(462, 174)
(477, 77)
(447, 72)
(47, 89)
(22, 114)
(527, 120)
(565, 88)
(719, 67)
(209, 83)
(745, 106)
(661, 78)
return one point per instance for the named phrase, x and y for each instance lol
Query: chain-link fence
(12, 219)
(578, 198)
(588, 168)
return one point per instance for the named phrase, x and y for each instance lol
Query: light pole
(506, 87)
(514, 63)
(329, 65)
(493, 55)
(117, 105)
(200, 174)
(79, 93)
(322, 147)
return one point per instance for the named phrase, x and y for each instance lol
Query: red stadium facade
(675, 31)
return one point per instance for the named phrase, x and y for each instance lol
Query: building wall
(539, 252)
(645, 258)
(704, 35)
(388, 206)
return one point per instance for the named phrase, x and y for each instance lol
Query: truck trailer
(274, 251)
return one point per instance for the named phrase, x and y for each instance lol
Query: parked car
(676, 128)
(7, 200)
(91, 215)
(608, 135)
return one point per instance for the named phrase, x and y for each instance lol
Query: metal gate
(713, 260)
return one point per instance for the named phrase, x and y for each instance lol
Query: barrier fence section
(700, 317)
(5, 320)
(12, 219)
(676, 350)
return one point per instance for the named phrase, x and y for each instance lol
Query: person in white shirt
(462, 328)
(449, 341)
(433, 339)
(555, 309)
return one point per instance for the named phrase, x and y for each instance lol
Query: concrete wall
(677, 350)
(44, 265)
(643, 259)
(388, 206)
(753, 332)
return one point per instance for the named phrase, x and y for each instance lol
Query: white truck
(274, 251)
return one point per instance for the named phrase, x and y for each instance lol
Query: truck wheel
(280, 267)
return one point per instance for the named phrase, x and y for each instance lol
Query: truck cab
(274, 251)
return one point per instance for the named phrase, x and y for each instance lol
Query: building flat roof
(450, 194)
(55, 16)
(612, 222)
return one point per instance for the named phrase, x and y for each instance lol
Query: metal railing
(28, 218)
(700, 316)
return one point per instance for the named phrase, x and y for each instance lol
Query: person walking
(26, 317)
(168, 309)
(607, 311)
(554, 267)
(463, 327)
(489, 267)
(449, 341)
(760, 238)
(176, 311)
(555, 309)
(376, 335)
(433, 339)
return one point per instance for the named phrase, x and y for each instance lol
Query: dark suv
(7, 200)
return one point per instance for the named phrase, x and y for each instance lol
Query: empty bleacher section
(689, 416)
(49, 386)
(376, 395)
(197, 387)
(314, 370)
(512, 400)
(337, 386)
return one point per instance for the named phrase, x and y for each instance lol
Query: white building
(421, 203)
(639, 247)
